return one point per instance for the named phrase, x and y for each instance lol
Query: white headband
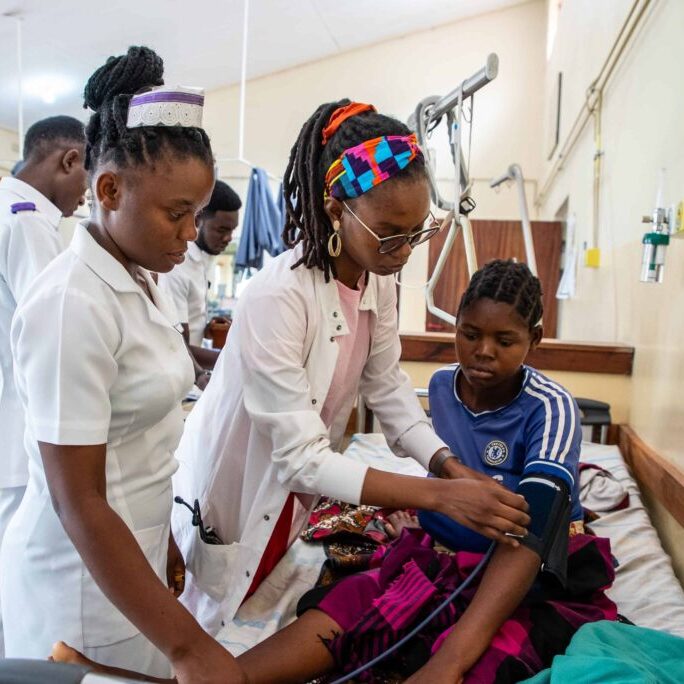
(167, 106)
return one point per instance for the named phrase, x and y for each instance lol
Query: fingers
(390, 529)
(497, 536)
(178, 583)
(507, 527)
(511, 499)
(513, 515)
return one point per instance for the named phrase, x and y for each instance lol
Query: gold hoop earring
(335, 241)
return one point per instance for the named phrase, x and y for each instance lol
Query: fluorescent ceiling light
(48, 87)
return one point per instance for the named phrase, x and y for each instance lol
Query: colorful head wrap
(364, 166)
(166, 106)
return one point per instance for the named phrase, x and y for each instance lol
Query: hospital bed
(646, 590)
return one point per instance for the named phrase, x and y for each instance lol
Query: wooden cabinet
(498, 240)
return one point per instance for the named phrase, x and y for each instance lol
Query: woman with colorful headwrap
(314, 328)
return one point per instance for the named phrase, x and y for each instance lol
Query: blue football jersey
(538, 432)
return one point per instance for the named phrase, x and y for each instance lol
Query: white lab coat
(96, 362)
(187, 287)
(256, 433)
(29, 241)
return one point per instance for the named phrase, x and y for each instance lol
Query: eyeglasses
(395, 242)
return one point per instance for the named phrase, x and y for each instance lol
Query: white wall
(395, 75)
(642, 132)
(9, 150)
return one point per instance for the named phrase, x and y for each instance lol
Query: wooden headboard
(559, 355)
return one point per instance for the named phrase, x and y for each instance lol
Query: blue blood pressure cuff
(549, 500)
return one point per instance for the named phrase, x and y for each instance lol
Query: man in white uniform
(50, 183)
(188, 283)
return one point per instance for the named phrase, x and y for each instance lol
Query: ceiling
(201, 42)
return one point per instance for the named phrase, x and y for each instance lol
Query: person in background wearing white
(49, 183)
(187, 284)
(101, 369)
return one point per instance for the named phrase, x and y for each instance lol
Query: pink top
(353, 353)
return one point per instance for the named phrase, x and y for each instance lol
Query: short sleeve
(177, 290)
(553, 433)
(33, 244)
(64, 346)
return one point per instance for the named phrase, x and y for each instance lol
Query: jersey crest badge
(495, 453)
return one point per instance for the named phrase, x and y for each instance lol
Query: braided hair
(108, 93)
(304, 182)
(505, 280)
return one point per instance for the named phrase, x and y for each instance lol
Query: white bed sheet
(645, 590)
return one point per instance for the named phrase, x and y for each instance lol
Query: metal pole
(468, 88)
(439, 267)
(243, 82)
(514, 173)
(20, 89)
(525, 219)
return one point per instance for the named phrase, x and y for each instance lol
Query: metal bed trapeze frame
(426, 117)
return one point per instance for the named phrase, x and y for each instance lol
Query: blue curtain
(262, 224)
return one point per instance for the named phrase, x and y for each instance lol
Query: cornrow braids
(505, 280)
(304, 182)
(108, 93)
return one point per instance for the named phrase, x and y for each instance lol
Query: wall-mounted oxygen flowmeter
(656, 240)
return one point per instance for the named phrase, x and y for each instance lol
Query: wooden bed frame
(662, 479)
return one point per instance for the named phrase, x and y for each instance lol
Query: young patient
(503, 420)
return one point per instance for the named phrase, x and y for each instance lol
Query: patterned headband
(364, 166)
(166, 106)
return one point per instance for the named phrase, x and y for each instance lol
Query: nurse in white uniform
(50, 183)
(187, 285)
(312, 329)
(101, 370)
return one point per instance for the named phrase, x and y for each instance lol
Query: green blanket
(613, 652)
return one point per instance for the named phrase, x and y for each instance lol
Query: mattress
(645, 590)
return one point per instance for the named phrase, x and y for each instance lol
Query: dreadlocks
(510, 282)
(108, 93)
(304, 182)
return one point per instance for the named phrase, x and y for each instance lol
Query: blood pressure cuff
(549, 500)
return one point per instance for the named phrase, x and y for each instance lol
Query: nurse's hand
(208, 663)
(485, 507)
(175, 568)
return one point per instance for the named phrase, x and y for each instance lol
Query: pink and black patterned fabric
(410, 578)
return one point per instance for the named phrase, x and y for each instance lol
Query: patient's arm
(506, 581)
(62, 653)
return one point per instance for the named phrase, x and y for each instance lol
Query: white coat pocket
(212, 565)
(103, 623)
